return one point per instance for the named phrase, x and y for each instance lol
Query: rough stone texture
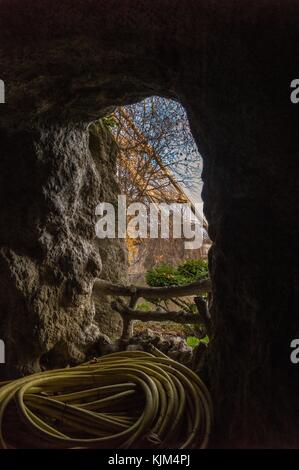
(50, 184)
(230, 64)
(174, 346)
(113, 252)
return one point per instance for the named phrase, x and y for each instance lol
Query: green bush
(189, 271)
(194, 269)
(185, 273)
(161, 276)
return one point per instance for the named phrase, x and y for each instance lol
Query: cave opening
(158, 174)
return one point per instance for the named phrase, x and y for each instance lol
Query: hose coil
(129, 399)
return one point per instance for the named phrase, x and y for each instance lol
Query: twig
(203, 312)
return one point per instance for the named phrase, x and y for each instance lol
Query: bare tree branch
(102, 288)
(178, 317)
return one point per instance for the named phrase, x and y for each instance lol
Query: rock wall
(230, 64)
(113, 252)
(51, 181)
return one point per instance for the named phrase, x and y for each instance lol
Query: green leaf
(205, 340)
(192, 341)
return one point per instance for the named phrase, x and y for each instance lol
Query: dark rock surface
(230, 63)
(51, 181)
(174, 347)
(113, 252)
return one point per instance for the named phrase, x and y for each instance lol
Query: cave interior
(230, 65)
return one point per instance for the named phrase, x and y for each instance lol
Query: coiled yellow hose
(130, 399)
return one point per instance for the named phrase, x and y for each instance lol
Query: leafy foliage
(163, 275)
(189, 271)
(205, 340)
(194, 269)
(193, 341)
(185, 273)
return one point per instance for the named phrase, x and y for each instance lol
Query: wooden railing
(129, 313)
